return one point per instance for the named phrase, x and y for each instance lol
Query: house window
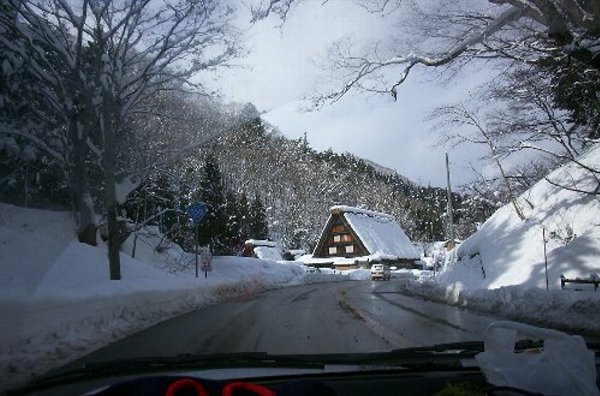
(346, 238)
(337, 238)
(350, 249)
(332, 250)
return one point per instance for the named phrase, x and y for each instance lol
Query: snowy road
(342, 317)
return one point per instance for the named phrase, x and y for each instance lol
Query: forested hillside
(252, 174)
(181, 148)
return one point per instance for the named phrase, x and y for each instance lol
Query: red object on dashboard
(186, 384)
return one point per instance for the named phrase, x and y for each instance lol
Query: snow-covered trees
(92, 65)
(546, 53)
(529, 126)
(231, 218)
(258, 184)
(298, 185)
(259, 228)
(211, 191)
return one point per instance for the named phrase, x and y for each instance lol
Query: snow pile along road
(58, 303)
(501, 268)
(576, 312)
(509, 251)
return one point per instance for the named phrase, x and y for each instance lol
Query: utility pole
(545, 255)
(450, 217)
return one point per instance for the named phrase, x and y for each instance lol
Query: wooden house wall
(340, 240)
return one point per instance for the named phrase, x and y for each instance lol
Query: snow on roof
(380, 233)
(267, 253)
(350, 209)
(260, 242)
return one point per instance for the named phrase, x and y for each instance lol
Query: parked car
(380, 271)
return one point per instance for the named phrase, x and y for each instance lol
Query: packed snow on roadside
(58, 303)
(501, 268)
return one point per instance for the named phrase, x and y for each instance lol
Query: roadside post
(206, 256)
(196, 211)
(545, 255)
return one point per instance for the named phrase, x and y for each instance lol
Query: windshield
(291, 177)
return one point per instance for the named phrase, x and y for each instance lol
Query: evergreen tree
(244, 213)
(258, 220)
(31, 175)
(233, 237)
(213, 228)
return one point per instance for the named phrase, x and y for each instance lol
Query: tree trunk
(79, 127)
(86, 224)
(494, 154)
(511, 194)
(107, 125)
(114, 240)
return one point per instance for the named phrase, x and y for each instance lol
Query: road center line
(389, 335)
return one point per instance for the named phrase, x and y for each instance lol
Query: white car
(380, 271)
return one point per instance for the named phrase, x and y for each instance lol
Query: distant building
(293, 254)
(449, 244)
(354, 237)
(262, 249)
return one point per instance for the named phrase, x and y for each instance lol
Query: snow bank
(358, 274)
(573, 311)
(501, 268)
(75, 308)
(314, 275)
(149, 246)
(58, 303)
(508, 251)
(30, 241)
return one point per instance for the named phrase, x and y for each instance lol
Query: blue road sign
(196, 211)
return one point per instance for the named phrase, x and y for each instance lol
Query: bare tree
(53, 58)
(113, 55)
(450, 32)
(458, 115)
(518, 115)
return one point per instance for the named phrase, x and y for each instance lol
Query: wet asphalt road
(340, 317)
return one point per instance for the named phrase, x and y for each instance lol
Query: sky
(281, 68)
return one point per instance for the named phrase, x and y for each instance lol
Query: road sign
(196, 211)
(206, 256)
